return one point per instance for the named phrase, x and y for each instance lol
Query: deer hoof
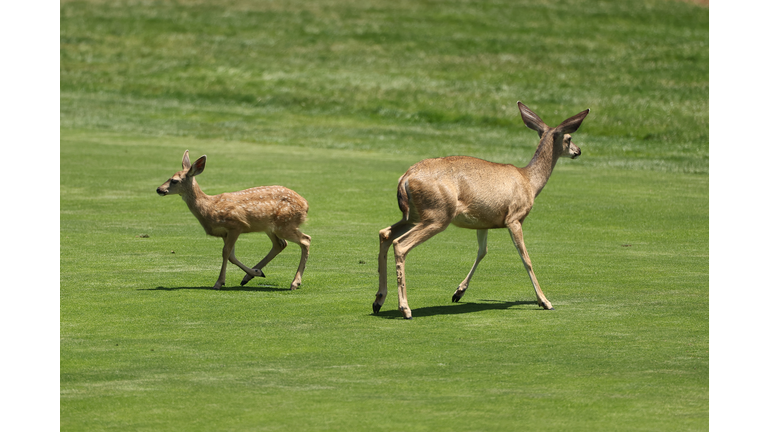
(376, 308)
(247, 278)
(457, 296)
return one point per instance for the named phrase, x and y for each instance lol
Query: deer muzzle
(576, 153)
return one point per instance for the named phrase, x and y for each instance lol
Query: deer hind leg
(516, 231)
(296, 236)
(482, 250)
(386, 237)
(278, 245)
(229, 255)
(420, 233)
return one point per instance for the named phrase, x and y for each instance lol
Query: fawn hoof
(247, 278)
(406, 313)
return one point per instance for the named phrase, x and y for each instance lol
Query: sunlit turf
(335, 100)
(357, 74)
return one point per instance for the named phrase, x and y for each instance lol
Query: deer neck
(196, 199)
(543, 163)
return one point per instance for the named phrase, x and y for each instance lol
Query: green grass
(336, 100)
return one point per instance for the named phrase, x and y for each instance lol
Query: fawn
(274, 210)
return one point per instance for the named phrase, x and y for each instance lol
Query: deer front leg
(482, 250)
(229, 247)
(516, 231)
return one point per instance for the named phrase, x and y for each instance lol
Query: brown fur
(472, 193)
(274, 210)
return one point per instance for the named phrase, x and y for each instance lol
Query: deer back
(471, 192)
(258, 209)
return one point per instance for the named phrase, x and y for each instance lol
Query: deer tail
(403, 197)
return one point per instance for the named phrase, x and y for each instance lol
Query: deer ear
(572, 124)
(185, 161)
(531, 119)
(197, 167)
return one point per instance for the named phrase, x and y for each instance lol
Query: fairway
(335, 100)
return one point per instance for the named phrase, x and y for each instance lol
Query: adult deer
(274, 210)
(476, 194)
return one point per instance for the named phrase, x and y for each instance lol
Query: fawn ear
(185, 161)
(531, 119)
(572, 124)
(197, 167)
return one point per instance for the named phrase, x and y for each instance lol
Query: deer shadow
(260, 287)
(455, 308)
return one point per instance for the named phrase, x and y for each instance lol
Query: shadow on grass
(263, 287)
(454, 308)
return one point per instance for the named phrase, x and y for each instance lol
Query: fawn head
(182, 179)
(561, 135)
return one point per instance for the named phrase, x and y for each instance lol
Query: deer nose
(160, 191)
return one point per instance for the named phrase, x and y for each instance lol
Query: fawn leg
(278, 245)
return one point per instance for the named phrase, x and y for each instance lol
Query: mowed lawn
(335, 100)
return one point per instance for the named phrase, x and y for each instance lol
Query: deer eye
(174, 181)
